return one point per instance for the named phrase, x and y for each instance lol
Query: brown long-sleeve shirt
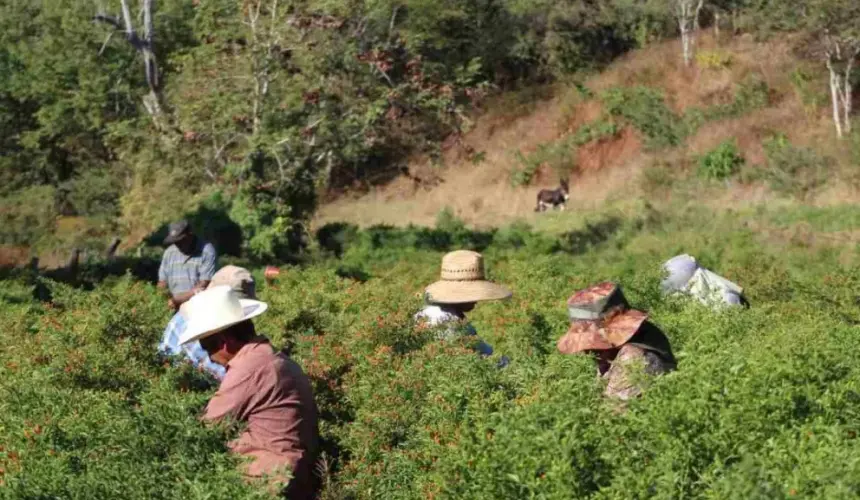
(270, 392)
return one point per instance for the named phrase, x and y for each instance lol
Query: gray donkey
(553, 197)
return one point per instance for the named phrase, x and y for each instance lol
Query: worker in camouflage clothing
(626, 346)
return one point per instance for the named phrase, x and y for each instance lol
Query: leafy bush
(595, 131)
(750, 94)
(560, 155)
(646, 110)
(658, 177)
(93, 193)
(101, 415)
(713, 59)
(27, 216)
(557, 155)
(809, 88)
(794, 170)
(722, 162)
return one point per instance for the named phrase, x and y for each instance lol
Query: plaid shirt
(182, 272)
(192, 350)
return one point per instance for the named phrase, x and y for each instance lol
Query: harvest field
(765, 402)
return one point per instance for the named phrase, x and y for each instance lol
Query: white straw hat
(462, 281)
(217, 309)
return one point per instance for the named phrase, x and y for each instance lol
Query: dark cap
(176, 231)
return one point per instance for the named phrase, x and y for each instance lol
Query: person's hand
(271, 273)
(172, 304)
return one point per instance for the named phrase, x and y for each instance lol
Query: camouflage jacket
(628, 373)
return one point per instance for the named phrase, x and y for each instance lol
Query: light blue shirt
(182, 272)
(192, 350)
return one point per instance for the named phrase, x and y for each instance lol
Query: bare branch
(104, 45)
(153, 101)
(393, 21)
(111, 20)
(147, 21)
(126, 16)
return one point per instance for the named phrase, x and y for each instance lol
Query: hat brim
(460, 292)
(585, 335)
(173, 238)
(250, 308)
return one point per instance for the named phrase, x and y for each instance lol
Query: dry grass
(483, 196)
(12, 256)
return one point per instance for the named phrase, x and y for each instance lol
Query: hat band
(606, 308)
(582, 314)
(462, 274)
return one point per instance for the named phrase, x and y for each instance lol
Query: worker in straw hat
(241, 282)
(262, 388)
(461, 286)
(621, 339)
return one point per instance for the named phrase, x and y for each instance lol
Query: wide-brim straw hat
(463, 280)
(600, 319)
(217, 309)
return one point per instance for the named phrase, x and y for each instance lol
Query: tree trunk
(111, 251)
(841, 89)
(697, 14)
(153, 102)
(687, 12)
(687, 43)
(848, 93)
(834, 95)
(717, 26)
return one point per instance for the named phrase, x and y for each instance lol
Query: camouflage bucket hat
(600, 319)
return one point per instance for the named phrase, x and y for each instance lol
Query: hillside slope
(622, 166)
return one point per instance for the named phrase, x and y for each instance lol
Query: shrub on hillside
(557, 155)
(713, 59)
(658, 178)
(645, 108)
(722, 162)
(750, 94)
(809, 88)
(560, 155)
(794, 170)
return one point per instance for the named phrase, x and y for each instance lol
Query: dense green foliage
(721, 163)
(763, 405)
(264, 101)
(794, 170)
